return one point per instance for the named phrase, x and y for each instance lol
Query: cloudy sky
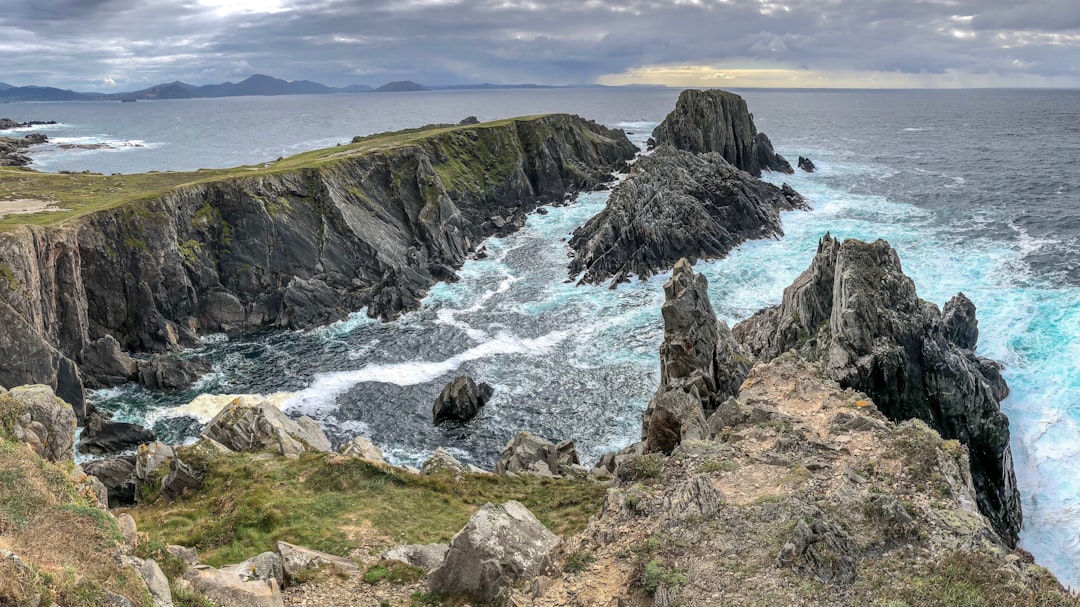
(129, 44)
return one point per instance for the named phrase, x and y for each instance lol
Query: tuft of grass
(394, 572)
(656, 575)
(578, 562)
(640, 467)
(245, 506)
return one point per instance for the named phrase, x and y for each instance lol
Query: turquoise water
(975, 190)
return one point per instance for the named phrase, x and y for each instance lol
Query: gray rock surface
(676, 204)
(181, 478)
(673, 417)
(265, 566)
(424, 556)
(531, 454)
(857, 312)
(296, 560)
(806, 164)
(442, 461)
(157, 583)
(102, 437)
(460, 400)
(44, 421)
(719, 121)
(500, 546)
(243, 427)
(226, 589)
(165, 373)
(150, 457)
(118, 476)
(362, 448)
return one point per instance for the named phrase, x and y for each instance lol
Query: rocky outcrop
(460, 400)
(806, 164)
(12, 149)
(531, 454)
(41, 420)
(362, 448)
(298, 561)
(227, 589)
(676, 204)
(118, 476)
(500, 546)
(856, 311)
(424, 556)
(371, 228)
(719, 121)
(166, 373)
(245, 427)
(102, 437)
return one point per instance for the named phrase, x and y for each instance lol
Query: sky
(115, 45)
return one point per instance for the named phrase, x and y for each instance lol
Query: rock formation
(243, 427)
(12, 149)
(371, 228)
(718, 121)
(460, 400)
(676, 204)
(855, 311)
(531, 454)
(41, 420)
(806, 164)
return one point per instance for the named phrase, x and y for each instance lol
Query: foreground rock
(299, 562)
(719, 121)
(856, 311)
(500, 546)
(42, 420)
(531, 454)
(227, 589)
(424, 556)
(461, 400)
(362, 448)
(118, 477)
(676, 204)
(245, 427)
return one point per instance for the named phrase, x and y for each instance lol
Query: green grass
(656, 574)
(246, 506)
(393, 572)
(79, 194)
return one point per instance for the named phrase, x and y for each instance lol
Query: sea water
(976, 190)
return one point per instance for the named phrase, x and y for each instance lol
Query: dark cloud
(80, 43)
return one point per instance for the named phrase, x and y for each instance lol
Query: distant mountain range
(258, 84)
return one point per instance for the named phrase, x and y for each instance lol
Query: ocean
(977, 190)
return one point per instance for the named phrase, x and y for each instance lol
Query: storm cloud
(127, 44)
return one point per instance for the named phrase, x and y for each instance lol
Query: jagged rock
(150, 457)
(718, 121)
(806, 164)
(442, 461)
(182, 477)
(90, 485)
(362, 448)
(118, 476)
(469, 120)
(695, 499)
(43, 421)
(265, 566)
(243, 427)
(676, 204)
(609, 462)
(157, 583)
(106, 436)
(460, 400)
(528, 453)
(297, 560)
(104, 364)
(821, 550)
(168, 373)
(961, 326)
(128, 530)
(426, 557)
(673, 417)
(500, 546)
(855, 311)
(226, 589)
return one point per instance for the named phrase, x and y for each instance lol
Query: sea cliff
(148, 263)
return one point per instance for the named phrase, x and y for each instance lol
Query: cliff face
(290, 249)
(677, 204)
(856, 312)
(718, 121)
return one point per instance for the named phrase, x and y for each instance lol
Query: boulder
(673, 417)
(822, 550)
(265, 566)
(442, 461)
(157, 583)
(806, 164)
(460, 400)
(106, 436)
(674, 205)
(499, 546)
(300, 561)
(128, 530)
(118, 476)
(180, 479)
(532, 454)
(91, 486)
(423, 556)
(226, 589)
(362, 448)
(244, 427)
(168, 373)
(43, 421)
(856, 312)
(150, 457)
(189, 556)
(104, 364)
(719, 121)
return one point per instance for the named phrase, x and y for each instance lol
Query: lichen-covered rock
(150, 457)
(856, 311)
(460, 400)
(821, 550)
(226, 589)
(265, 566)
(676, 204)
(363, 448)
(157, 583)
(245, 427)
(500, 546)
(43, 421)
(91, 487)
(442, 461)
(298, 561)
(425, 556)
(531, 454)
(181, 478)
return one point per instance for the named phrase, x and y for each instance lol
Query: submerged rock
(857, 312)
(461, 400)
(719, 121)
(500, 546)
(676, 204)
